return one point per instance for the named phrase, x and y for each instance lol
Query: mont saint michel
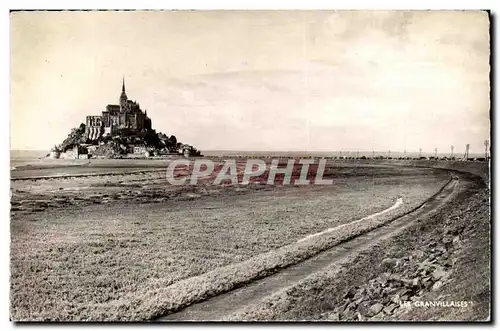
(122, 130)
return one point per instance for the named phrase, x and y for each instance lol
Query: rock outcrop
(124, 142)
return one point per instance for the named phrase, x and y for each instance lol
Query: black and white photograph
(250, 165)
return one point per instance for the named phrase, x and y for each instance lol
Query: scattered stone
(389, 263)
(390, 308)
(426, 280)
(383, 278)
(348, 315)
(416, 282)
(437, 285)
(447, 263)
(359, 300)
(379, 317)
(403, 279)
(334, 316)
(375, 309)
(387, 291)
(351, 306)
(440, 249)
(447, 241)
(350, 293)
(439, 273)
(363, 309)
(419, 254)
(395, 277)
(361, 292)
(406, 282)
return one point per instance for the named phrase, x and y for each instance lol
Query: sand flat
(100, 239)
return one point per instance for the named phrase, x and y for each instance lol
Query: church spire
(123, 96)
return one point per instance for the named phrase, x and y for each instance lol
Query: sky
(258, 80)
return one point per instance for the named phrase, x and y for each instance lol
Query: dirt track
(222, 306)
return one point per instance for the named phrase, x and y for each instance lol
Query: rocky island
(121, 131)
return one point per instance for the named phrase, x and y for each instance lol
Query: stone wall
(93, 127)
(70, 154)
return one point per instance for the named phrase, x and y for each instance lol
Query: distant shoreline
(31, 154)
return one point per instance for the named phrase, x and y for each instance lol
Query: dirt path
(221, 306)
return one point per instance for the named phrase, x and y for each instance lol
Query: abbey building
(126, 115)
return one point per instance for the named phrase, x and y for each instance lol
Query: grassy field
(103, 258)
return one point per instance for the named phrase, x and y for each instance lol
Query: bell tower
(123, 96)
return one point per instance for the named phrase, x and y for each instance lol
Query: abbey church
(126, 115)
